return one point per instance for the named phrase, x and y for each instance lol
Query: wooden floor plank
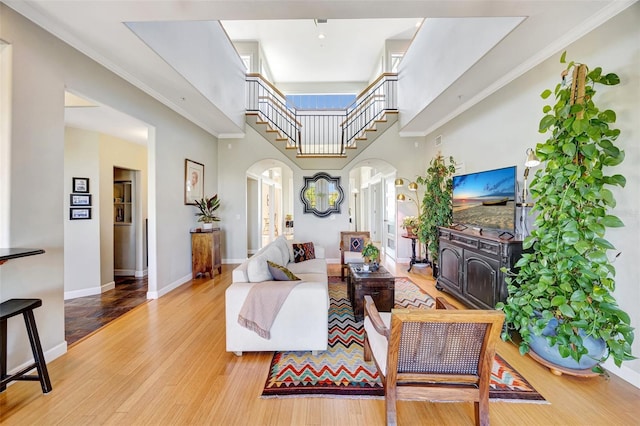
(165, 363)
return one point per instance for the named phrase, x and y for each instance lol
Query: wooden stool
(8, 309)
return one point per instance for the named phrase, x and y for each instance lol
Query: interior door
(389, 223)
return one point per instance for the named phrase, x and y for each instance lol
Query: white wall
(43, 67)
(115, 152)
(81, 237)
(238, 155)
(497, 132)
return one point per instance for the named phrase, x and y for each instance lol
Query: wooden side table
(205, 252)
(414, 258)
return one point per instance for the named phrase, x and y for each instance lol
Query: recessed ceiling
(350, 50)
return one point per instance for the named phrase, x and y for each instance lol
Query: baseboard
(233, 261)
(124, 272)
(172, 286)
(624, 372)
(141, 274)
(89, 291)
(53, 353)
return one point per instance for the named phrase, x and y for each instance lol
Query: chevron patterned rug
(341, 370)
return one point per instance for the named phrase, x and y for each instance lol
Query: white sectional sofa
(301, 323)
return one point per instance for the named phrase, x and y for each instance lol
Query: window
(395, 61)
(320, 101)
(246, 60)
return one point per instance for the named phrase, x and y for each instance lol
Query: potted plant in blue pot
(561, 290)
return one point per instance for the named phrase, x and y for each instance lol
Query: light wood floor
(165, 363)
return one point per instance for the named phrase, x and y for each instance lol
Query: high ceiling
(310, 50)
(289, 36)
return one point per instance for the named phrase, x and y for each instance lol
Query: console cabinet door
(481, 283)
(450, 267)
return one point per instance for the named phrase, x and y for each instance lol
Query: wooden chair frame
(345, 240)
(435, 386)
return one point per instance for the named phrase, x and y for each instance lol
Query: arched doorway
(372, 203)
(269, 203)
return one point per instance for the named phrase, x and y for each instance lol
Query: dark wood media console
(470, 263)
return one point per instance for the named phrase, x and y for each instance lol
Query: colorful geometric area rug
(341, 370)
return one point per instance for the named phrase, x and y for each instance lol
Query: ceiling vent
(320, 21)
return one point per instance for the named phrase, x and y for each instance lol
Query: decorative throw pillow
(257, 269)
(356, 244)
(303, 251)
(280, 273)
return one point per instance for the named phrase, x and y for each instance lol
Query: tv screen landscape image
(486, 199)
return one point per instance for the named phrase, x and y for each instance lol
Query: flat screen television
(486, 200)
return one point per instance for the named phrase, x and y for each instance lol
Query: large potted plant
(207, 207)
(565, 276)
(437, 207)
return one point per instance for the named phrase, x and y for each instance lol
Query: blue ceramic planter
(540, 346)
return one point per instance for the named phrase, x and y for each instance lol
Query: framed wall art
(321, 194)
(81, 185)
(80, 213)
(194, 181)
(80, 200)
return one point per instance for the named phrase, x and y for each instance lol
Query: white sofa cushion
(281, 244)
(378, 343)
(257, 268)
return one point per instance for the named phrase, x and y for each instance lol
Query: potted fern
(207, 207)
(565, 277)
(436, 209)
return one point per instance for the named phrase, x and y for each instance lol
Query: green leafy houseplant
(207, 208)
(370, 252)
(437, 202)
(410, 222)
(566, 273)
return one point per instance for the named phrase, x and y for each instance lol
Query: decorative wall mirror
(321, 194)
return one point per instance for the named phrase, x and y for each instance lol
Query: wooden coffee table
(379, 285)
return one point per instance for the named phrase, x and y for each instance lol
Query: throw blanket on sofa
(262, 305)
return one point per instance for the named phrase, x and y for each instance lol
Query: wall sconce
(531, 161)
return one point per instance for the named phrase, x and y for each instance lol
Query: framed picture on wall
(79, 213)
(80, 185)
(194, 181)
(80, 200)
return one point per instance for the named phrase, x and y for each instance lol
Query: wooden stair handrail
(283, 110)
(267, 82)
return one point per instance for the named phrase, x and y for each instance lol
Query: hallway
(84, 315)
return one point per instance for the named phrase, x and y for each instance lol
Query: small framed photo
(79, 213)
(81, 185)
(80, 200)
(194, 181)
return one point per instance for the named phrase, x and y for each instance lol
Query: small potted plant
(410, 223)
(371, 255)
(208, 207)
